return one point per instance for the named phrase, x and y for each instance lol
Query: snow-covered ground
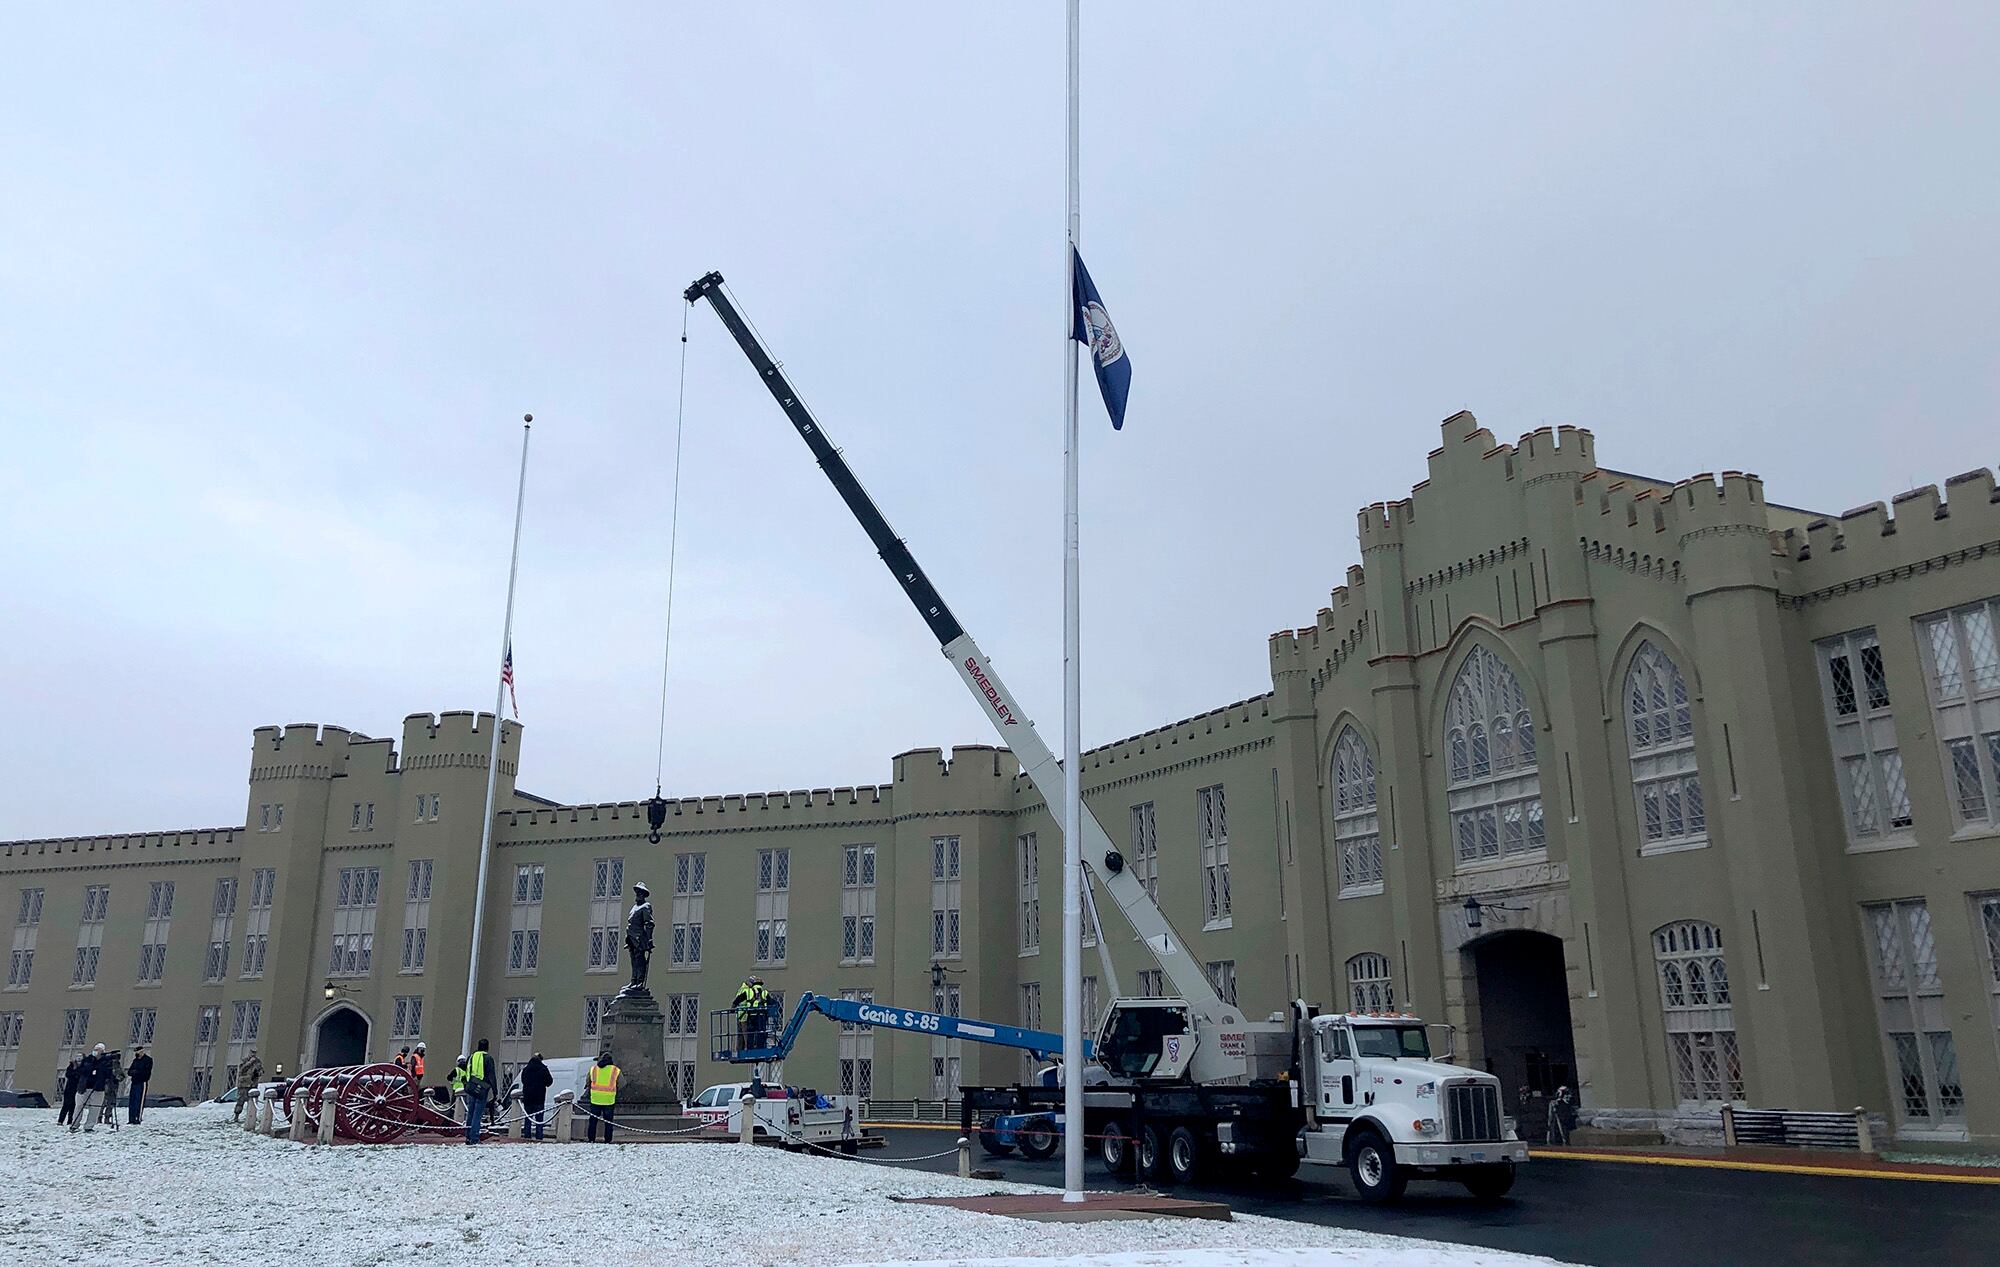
(188, 1187)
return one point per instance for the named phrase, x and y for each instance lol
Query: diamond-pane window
(1968, 792)
(1843, 685)
(1944, 1059)
(1980, 642)
(1896, 788)
(1946, 672)
(1923, 946)
(1888, 947)
(1861, 795)
(1873, 677)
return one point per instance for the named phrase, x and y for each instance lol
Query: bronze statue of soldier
(639, 937)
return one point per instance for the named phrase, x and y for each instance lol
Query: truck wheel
(993, 1144)
(1183, 1156)
(1114, 1147)
(1152, 1153)
(1372, 1164)
(1038, 1139)
(850, 1147)
(1490, 1183)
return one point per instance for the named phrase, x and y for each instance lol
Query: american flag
(507, 678)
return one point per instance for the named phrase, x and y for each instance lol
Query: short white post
(1863, 1138)
(565, 1121)
(297, 1129)
(269, 1124)
(326, 1116)
(517, 1125)
(964, 1157)
(1728, 1126)
(747, 1128)
(250, 1110)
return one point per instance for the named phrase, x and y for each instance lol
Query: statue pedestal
(634, 1029)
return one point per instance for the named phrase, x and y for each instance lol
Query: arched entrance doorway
(1524, 1027)
(340, 1038)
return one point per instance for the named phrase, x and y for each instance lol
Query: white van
(571, 1074)
(780, 1117)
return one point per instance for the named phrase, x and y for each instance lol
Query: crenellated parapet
(1191, 741)
(760, 811)
(1634, 528)
(1381, 526)
(192, 844)
(1723, 531)
(1706, 505)
(1189, 730)
(1335, 639)
(460, 739)
(302, 750)
(1563, 452)
(1918, 531)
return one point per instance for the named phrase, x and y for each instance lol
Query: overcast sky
(275, 288)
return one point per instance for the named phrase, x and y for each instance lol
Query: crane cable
(673, 545)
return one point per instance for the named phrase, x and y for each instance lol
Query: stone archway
(340, 1037)
(1524, 1034)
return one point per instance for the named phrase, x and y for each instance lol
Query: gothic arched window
(1369, 988)
(1660, 726)
(1701, 1023)
(1357, 829)
(1493, 788)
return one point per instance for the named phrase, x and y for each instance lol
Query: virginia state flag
(1094, 330)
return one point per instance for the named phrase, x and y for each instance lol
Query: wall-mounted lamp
(1473, 907)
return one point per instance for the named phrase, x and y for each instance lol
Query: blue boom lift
(747, 1039)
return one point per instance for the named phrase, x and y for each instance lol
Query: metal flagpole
(493, 754)
(1072, 1023)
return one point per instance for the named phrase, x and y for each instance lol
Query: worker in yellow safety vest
(603, 1094)
(455, 1085)
(753, 1011)
(482, 1087)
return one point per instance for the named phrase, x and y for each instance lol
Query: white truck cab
(1380, 1106)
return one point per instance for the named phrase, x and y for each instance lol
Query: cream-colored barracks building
(1656, 790)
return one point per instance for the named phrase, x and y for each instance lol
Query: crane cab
(1149, 1039)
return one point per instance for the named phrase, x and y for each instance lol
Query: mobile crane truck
(1192, 1079)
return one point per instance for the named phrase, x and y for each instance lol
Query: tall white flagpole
(493, 754)
(1072, 1026)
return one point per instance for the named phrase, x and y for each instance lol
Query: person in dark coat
(68, 1089)
(141, 1073)
(114, 1078)
(535, 1082)
(91, 1080)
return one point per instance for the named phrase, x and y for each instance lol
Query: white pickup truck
(781, 1118)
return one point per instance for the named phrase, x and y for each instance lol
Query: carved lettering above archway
(1534, 875)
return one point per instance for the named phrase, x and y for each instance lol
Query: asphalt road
(1614, 1214)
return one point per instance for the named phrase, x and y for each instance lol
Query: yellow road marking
(1767, 1167)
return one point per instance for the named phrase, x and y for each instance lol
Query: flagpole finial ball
(527, 417)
